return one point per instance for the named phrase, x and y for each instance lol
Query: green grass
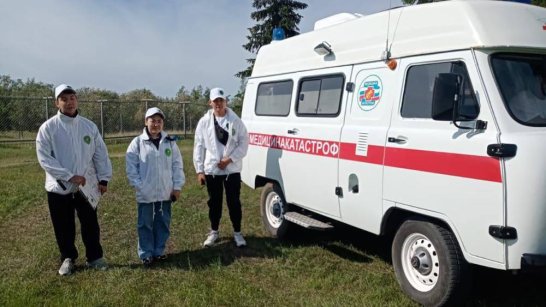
(345, 267)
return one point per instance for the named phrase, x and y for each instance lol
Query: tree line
(24, 105)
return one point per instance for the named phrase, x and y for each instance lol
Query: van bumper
(533, 262)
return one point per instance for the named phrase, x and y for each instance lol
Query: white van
(424, 124)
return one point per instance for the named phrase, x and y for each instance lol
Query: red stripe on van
(374, 154)
(452, 164)
(460, 165)
(469, 166)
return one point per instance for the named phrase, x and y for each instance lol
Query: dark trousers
(62, 209)
(215, 189)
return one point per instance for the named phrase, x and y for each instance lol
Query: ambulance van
(424, 124)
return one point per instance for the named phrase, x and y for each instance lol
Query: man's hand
(201, 178)
(175, 195)
(77, 180)
(225, 161)
(102, 189)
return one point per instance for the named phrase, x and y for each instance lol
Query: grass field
(344, 267)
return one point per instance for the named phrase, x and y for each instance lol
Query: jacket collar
(146, 137)
(67, 119)
(228, 116)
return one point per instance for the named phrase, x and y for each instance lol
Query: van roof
(418, 29)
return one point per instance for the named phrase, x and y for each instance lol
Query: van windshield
(522, 82)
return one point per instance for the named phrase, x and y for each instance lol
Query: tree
(534, 2)
(94, 94)
(268, 15)
(23, 104)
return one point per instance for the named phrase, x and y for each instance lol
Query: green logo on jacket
(168, 152)
(87, 139)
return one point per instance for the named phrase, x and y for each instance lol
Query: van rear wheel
(428, 263)
(273, 207)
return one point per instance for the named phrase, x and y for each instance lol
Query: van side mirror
(446, 93)
(447, 97)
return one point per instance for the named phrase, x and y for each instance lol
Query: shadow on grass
(489, 287)
(225, 252)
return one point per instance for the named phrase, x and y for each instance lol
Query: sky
(122, 45)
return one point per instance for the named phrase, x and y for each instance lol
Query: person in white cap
(67, 145)
(154, 168)
(221, 142)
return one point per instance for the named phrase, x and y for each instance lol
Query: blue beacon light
(278, 34)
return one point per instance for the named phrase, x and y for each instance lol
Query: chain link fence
(21, 117)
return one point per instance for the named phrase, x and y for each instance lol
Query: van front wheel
(273, 206)
(428, 263)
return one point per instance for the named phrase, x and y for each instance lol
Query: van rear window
(274, 98)
(417, 101)
(320, 96)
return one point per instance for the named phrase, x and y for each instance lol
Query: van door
(363, 145)
(437, 169)
(311, 142)
(521, 80)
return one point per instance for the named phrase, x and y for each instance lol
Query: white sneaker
(239, 240)
(212, 237)
(67, 267)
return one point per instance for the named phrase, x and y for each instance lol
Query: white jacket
(154, 173)
(66, 146)
(208, 151)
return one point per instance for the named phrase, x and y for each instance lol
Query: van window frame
(502, 93)
(319, 77)
(273, 82)
(443, 61)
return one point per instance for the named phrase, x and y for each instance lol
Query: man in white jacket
(69, 146)
(221, 142)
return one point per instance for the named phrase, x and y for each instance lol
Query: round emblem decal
(168, 152)
(369, 93)
(87, 139)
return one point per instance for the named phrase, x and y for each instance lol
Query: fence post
(101, 120)
(120, 118)
(184, 117)
(45, 105)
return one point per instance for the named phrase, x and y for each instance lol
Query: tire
(273, 206)
(428, 263)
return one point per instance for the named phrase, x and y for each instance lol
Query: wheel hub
(415, 263)
(421, 261)
(276, 210)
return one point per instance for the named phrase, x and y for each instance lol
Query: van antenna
(386, 54)
(389, 47)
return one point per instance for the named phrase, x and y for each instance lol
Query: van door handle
(293, 131)
(396, 140)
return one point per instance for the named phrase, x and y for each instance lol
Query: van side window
(274, 98)
(417, 100)
(320, 96)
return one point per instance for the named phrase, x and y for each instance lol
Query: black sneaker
(147, 262)
(160, 258)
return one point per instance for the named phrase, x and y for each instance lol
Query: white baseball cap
(153, 111)
(217, 93)
(63, 88)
